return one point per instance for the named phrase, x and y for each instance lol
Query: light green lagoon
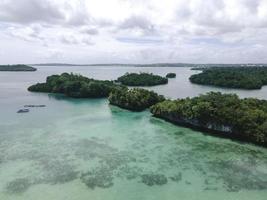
(86, 149)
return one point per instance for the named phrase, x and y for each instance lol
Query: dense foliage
(73, 85)
(142, 79)
(247, 118)
(135, 99)
(232, 77)
(16, 68)
(171, 75)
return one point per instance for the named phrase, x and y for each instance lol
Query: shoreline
(237, 137)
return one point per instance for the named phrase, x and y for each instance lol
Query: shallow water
(87, 149)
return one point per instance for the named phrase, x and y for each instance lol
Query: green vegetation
(142, 79)
(244, 119)
(16, 68)
(76, 86)
(171, 75)
(135, 99)
(232, 77)
(224, 114)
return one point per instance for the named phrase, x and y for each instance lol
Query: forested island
(76, 86)
(135, 99)
(142, 79)
(171, 75)
(223, 114)
(232, 77)
(16, 68)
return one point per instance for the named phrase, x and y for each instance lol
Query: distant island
(224, 114)
(141, 79)
(171, 75)
(122, 64)
(135, 99)
(192, 65)
(76, 86)
(232, 77)
(16, 68)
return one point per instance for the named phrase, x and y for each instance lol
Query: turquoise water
(86, 149)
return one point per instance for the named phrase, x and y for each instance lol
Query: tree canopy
(135, 99)
(171, 75)
(16, 68)
(142, 79)
(232, 77)
(74, 85)
(242, 118)
(246, 118)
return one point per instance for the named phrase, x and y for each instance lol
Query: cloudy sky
(133, 31)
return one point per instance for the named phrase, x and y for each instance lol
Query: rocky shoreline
(223, 115)
(220, 131)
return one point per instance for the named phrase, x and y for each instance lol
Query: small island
(223, 114)
(171, 75)
(232, 77)
(75, 86)
(135, 99)
(17, 68)
(142, 79)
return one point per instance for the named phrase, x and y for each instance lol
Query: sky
(133, 31)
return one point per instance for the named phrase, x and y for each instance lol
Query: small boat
(34, 106)
(23, 110)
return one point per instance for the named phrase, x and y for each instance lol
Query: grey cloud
(212, 17)
(104, 22)
(78, 19)
(26, 34)
(143, 40)
(29, 11)
(68, 39)
(184, 11)
(128, 29)
(137, 22)
(87, 41)
(252, 5)
(90, 31)
(72, 40)
(78, 15)
(43, 11)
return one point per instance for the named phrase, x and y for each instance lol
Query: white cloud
(133, 31)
